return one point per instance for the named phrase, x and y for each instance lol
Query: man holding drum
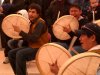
(37, 36)
(75, 11)
(89, 39)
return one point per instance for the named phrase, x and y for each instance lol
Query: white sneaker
(6, 61)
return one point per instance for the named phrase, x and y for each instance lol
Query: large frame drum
(17, 20)
(49, 54)
(67, 21)
(82, 64)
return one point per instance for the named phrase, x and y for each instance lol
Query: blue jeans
(79, 49)
(18, 58)
(14, 43)
(62, 44)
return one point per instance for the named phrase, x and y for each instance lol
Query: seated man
(15, 43)
(94, 7)
(75, 11)
(37, 36)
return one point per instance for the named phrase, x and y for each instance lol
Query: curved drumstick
(71, 45)
(58, 14)
(93, 15)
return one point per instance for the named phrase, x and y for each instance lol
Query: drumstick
(93, 15)
(58, 14)
(71, 44)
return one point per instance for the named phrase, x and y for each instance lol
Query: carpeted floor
(5, 69)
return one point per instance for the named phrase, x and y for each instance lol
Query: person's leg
(78, 49)
(4, 40)
(12, 58)
(12, 43)
(6, 50)
(22, 56)
(62, 44)
(20, 43)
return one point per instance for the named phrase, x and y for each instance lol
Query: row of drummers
(58, 58)
(65, 29)
(71, 41)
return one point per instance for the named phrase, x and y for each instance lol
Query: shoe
(6, 61)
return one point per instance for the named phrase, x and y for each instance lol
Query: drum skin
(17, 20)
(82, 64)
(97, 21)
(49, 54)
(65, 21)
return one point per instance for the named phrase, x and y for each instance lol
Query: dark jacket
(97, 14)
(54, 8)
(38, 34)
(18, 5)
(14, 7)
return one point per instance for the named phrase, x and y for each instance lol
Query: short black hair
(76, 6)
(35, 6)
(92, 29)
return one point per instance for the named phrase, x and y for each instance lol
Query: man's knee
(20, 55)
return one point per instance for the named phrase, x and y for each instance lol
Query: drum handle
(71, 45)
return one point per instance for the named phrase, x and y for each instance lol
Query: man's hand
(16, 28)
(67, 29)
(1, 9)
(54, 68)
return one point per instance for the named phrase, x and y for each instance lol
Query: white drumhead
(65, 21)
(15, 19)
(49, 54)
(98, 22)
(81, 64)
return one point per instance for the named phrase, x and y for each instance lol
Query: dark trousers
(18, 58)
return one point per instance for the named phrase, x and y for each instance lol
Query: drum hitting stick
(93, 15)
(71, 45)
(58, 14)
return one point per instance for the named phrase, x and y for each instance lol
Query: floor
(5, 69)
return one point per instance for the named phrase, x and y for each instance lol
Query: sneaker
(6, 61)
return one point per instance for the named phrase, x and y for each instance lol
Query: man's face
(75, 12)
(93, 3)
(1, 9)
(86, 42)
(32, 14)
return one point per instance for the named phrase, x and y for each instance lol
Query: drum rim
(62, 18)
(12, 15)
(74, 58)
